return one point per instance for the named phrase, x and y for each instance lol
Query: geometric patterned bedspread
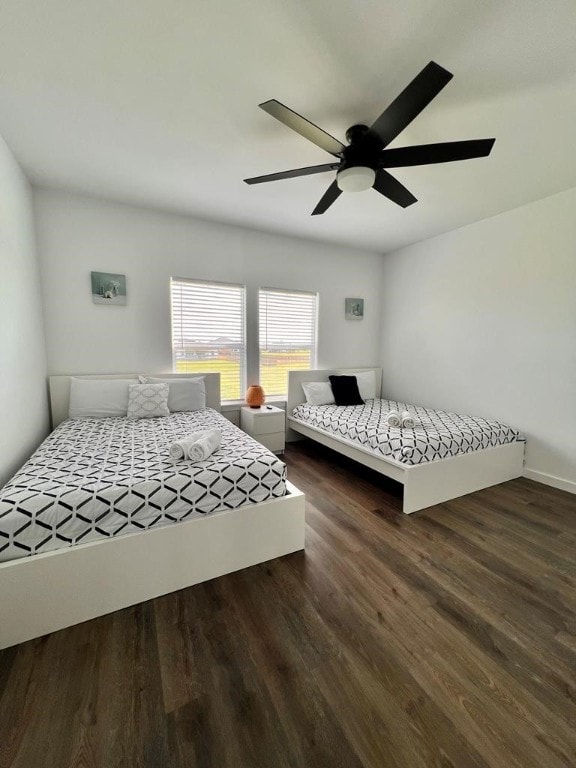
(97, 478)
(437, 434)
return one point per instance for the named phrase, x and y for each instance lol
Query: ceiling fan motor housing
(363, 149)
(355, 133)
(357, 171)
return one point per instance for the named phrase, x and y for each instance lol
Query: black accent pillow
(345, 389)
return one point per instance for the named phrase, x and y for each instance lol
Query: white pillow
(146, 401)
(98, 398)
(366, 384)
(184, 394)
(318, 393)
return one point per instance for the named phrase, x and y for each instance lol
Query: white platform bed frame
(424, 484)
(47, 592)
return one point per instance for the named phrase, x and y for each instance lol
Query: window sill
(232, 405)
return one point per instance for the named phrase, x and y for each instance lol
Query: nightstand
(266, 424)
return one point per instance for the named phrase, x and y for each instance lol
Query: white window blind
(288, 331)
(209, 332)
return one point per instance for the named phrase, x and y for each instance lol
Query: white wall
(23, 396)
(79, 234)
(483, 320)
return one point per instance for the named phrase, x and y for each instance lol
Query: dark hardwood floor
(447, 638)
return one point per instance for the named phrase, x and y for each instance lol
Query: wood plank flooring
(447, 638)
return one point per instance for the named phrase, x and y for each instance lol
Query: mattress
(93, 479)
(437, 434)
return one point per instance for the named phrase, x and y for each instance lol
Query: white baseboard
(546, 479)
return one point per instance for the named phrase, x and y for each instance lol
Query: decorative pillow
(145, 401)
(184, 394)
(345, 390)
(98, 398)
(366, 384)
(318, 393)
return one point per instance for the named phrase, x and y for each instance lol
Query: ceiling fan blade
(413, 99)
(391, 188)
(426, 154)
(332, 193)
(292, 174)
(303, 127)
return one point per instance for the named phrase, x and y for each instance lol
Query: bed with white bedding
(436, 435)
(101, 518)
(445, 456)
(94, 479)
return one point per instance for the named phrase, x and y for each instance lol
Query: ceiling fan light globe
(356, 179)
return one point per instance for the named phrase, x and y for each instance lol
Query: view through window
(288, 331)
(209, 332)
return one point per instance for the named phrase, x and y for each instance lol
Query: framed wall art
(108, 288)
(354, 309)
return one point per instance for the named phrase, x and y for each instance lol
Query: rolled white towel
(393, 419)
(179, 449)
(205, 445)
(408, 420)
(196, 446)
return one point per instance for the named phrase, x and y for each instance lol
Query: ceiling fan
(363, 162)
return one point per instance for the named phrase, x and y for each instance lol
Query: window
(208, 332)
(288, 329)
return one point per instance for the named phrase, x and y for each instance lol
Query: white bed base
(424, 484)
(47, 592)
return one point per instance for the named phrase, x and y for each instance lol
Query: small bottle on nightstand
(266, 424)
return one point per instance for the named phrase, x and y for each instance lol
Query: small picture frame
(108, 288)
(354, 309)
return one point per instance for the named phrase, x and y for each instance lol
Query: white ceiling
(155, 102)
